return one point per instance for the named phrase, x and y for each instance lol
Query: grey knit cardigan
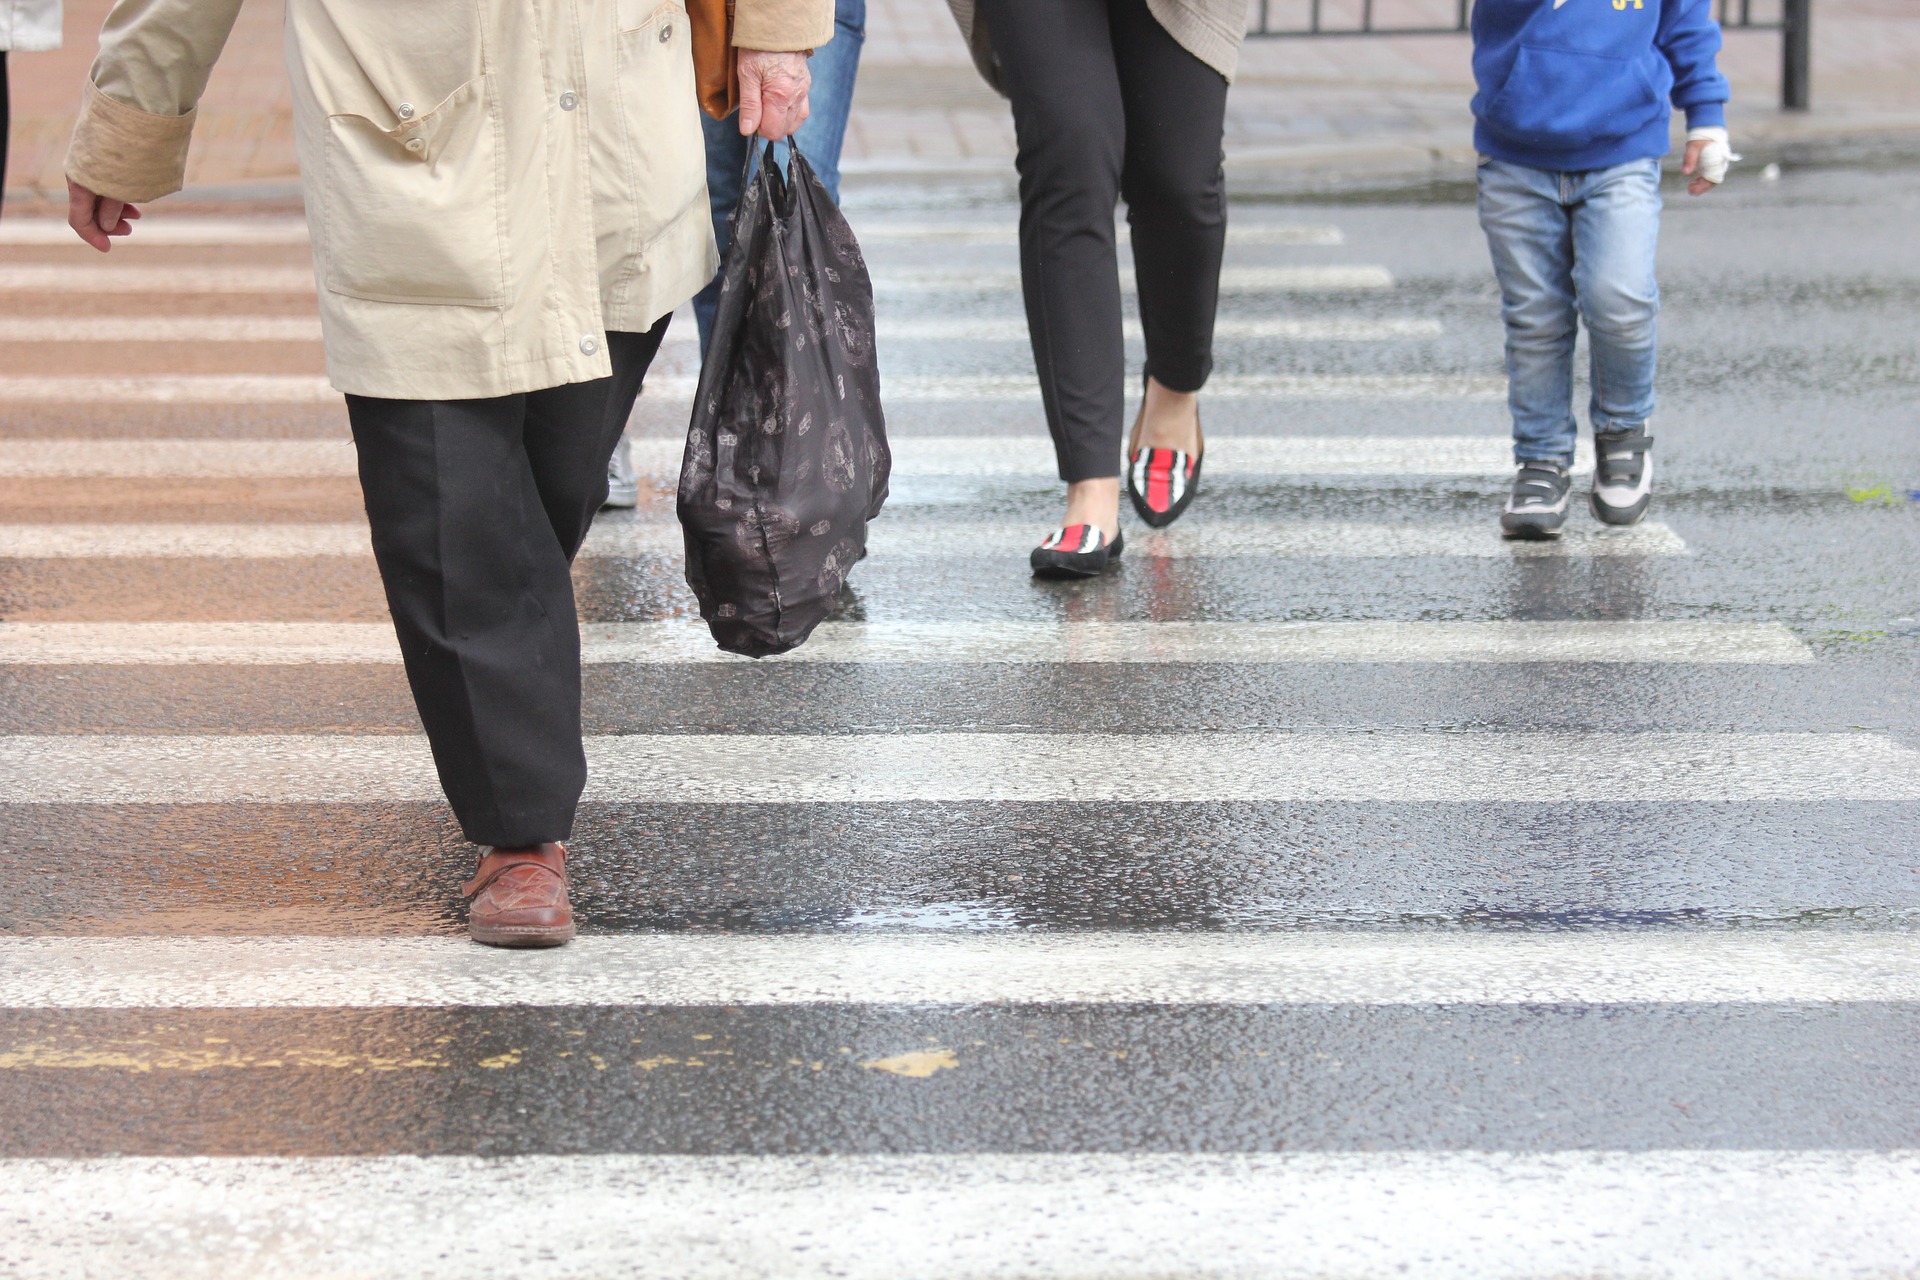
(1211, 30)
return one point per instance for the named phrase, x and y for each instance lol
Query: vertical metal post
(1796, 55)
(1461, 24)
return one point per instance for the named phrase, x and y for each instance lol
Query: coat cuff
(1707, 115)
(782, 26)
(124, 153)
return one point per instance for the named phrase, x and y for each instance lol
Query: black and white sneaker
(1537, 507)
(1622, 475)
(623, 484)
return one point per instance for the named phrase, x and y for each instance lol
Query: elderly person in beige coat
(508, 201)
(1116, 99)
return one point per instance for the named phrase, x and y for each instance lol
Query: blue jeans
(831, 98)
(1571, 248)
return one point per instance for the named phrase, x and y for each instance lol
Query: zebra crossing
(891, 966)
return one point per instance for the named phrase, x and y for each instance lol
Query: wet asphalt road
(1789, 479)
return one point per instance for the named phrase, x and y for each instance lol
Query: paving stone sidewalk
(1303, 111)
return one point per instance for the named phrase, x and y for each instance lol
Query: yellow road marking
(915, 1066)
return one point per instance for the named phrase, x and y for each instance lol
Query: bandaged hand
(1708, 154)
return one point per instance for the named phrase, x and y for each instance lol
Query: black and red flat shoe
(1162, 483)
(1077, 551)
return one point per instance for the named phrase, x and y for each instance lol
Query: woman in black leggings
(1116, 99)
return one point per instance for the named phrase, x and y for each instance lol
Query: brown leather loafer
(520, 898)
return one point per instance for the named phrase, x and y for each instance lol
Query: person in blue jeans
(1572, 117)
(834, 66)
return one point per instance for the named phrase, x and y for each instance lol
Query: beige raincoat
(491, 184)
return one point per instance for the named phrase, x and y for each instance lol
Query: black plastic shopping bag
(786, 455)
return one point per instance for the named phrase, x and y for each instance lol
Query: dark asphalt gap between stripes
(396, 869)
(867, 1078)
(997, 585)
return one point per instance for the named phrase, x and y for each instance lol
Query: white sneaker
(623, 486)
(1622, 475)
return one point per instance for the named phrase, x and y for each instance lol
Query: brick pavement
(1301, 109)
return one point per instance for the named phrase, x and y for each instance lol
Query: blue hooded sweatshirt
(1569, 85)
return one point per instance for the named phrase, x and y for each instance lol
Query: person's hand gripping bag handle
(786, 457)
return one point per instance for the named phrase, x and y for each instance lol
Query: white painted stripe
(930, 539)
(1226, 455)
(659, 458)
(170, 389)
(961, 767)
(211, 541)
(120, 329)
(1303, 329)
(875, 231)
(1244, 387)
(1436, 1215)
(1232, 280)
(116, 278)
(1240, 967)
(887, 538)
(307, 329)
(168, 231)
(39, 277)
(182, 230)
(687, 641)
(209, 459)
(278, 388)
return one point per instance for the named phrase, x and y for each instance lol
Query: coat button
(666, 32)
(589, 345)
(569, 100)
(404, 111)
(416, 145)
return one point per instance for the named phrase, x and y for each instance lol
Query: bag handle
(766, 157)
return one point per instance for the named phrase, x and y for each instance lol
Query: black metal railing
(1451, 17)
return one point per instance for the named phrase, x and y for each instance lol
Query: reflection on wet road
(1334, 890)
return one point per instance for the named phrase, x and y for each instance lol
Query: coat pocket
(413, 212)
(657, 113)
(1570, 99)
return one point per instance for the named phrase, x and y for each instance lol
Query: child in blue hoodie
(1571, 120)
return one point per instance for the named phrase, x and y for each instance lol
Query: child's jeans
(1567, 244)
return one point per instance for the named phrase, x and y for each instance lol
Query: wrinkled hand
(95, 218)
(1708, 154)
(773, 93)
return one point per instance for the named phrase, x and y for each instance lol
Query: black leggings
(6, 122)
(1106, 104)
(477, 509)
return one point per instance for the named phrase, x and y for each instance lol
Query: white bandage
(1715, 156)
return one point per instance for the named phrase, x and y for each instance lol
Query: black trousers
(477, 509)
(1106, 105)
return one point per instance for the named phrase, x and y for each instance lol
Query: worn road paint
(917, 1065)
